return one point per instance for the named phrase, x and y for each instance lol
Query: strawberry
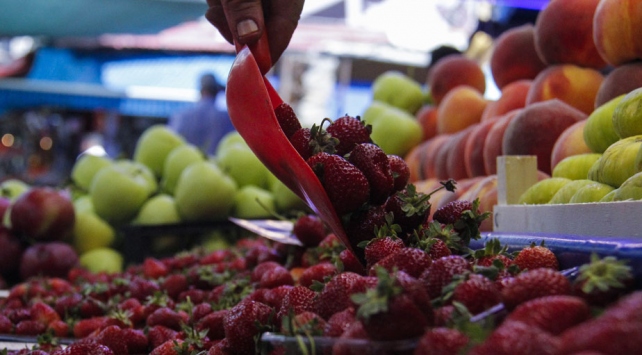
(300, 140)
(343, 345)
(535, 283)
(288, 120)
(172, 347)
(350, 131)
(604, 336)
(335, 296)
(339, 322)
(86, 326)
(167, 317)
(84, 348)
(374, 164)
(517, 337)
(363, 224)
(400, 172)
(277, 276)
(553, 314)
(305, 323)
(29, 327)
(200, 310)
(318, 272)
(6, 326)
(536, 256)
(309, 230)
(154, 268)
(350, 262)
(492, 251)
(441, 341)
(441, 272)
(298, 300)
(243, 323)
(310, 141)
(478, 293)
(347, 187)
(159, 334)
(136, 340)
(113, 338)
(412, 261)
(213, 323)
(389, 313)
(464, 216)
(43, 313)
(602, 281)
(68, 305)
(436, 248)
(626, 309)
(174, 284)
(380, 247)
(409, 208)
(261, 268)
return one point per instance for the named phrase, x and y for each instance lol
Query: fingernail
(246, 27)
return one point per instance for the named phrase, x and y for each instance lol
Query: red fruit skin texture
(374, 164)
(379, 248)
(477, 293)
(402, 320)
(240, 325)
(512, 338)
(536, 257)
(339, 322)
(441, 272)
(309, 230)
(441, 341)
(335, 296)
(53, 259)
(412, 261)
(554, 314)
(451, 212)
(287, 119)
(533, 284)
(400, 171)
(350, 131)
(317, 272)
(43, 213)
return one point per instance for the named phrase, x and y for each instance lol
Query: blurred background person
(205, 123)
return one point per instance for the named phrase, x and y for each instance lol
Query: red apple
(43, 214)
(53, 259)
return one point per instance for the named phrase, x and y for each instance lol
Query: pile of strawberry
(420, 289)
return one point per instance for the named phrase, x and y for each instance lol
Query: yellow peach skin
(617, 26)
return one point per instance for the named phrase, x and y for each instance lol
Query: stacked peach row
(578, 55)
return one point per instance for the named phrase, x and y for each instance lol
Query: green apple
(229, 140)
(91, 232)
(215, 241)
(159, 209)
(398, 90)
(566, 192)
(394, 130)
(140, 169)
(284, 198)
(542, 191)
(253, 202)
(153, 146)
(240, 162)
(85, 167)
(594, 192)
(13, 188)
(204, 193)
(599, 131)
(575, 167)
(102, 260)
(177, 160)
(119, 190)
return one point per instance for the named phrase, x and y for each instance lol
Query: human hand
(244, 21)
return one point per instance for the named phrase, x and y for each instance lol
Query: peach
(619, 81)
(455, 164)
(441, 157)
(493, 143)
(461, 107)
(452, 71)
(564, 34)
(570, 83)
(486, 191)
(570, 142)
(514, 56)
(413, 160)
(617, 25)
(513, 96)
(427, 118)
(474, 149)
(536, 128)
(430, 153)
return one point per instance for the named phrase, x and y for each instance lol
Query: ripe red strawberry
(335, 296)
(274, 277)
(113, 338)
(412, 261)
(213, 323)
(305, 323)
(436, 248)
(300, 140)
(478, 293)
(374, 164)
(400, 172)
(553, 314)
(84, 348)
(380, 247)
(409, 208)
(171, 347)
(84, 327)
(603, 281)
(309, 230)
(311, 141)
(625, 309)
(346, 186)
(440, 273)
(287, 118)
(350, 131)
(389, 313)
(174, 284)
(351, 262)
(43, 313)
(29, 327)
(58, 328)
(441, 341)
(517, 337)
(298, 300)
(243, 323)
(363, 224)
(318, 272)
(136, 340)
(535, 283)
(536, 256)
(167, 317)
(493, 250)
(464, 216)
(339, 322)
(159, 334)
(154, 268)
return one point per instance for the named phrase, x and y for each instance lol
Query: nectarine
(461, 107)
(493, 142)
(621, 80)
(515, 57)
(617, 25)
(513, 96)
(570, 142)
(452, 71)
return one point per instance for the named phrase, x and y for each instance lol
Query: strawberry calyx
(375, 300)
(603, 274)
(424, 237)
(468, 224)
(321, 140)
(414, 203)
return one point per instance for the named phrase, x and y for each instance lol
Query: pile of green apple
(170, 181)
(396, 99)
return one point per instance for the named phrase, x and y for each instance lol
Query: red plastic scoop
(251, 101)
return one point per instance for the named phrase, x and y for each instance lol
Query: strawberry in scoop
(374, 164)
(350, 131)
(288, 120)
(347, 187)
(400, 171)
